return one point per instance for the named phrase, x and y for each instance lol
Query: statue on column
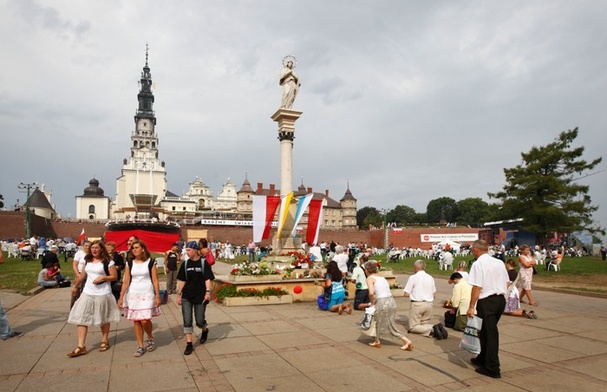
(289, 82)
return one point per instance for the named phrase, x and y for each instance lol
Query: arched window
(91, 209)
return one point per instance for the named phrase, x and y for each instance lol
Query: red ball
(297, 289)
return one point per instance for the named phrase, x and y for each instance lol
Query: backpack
(106, 268)
(151, 264)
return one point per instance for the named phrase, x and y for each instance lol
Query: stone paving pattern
(299, 348)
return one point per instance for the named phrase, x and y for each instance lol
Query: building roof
(93, 190)
(246, 187)
(38, 200)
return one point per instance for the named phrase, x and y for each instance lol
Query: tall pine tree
(544, 189)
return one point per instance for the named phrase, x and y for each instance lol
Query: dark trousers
(490, 309)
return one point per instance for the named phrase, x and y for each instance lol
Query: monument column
(283, 242)
(286, 134)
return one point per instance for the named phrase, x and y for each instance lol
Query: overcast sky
(408, 100)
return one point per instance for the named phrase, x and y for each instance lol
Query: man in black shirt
(194, 293)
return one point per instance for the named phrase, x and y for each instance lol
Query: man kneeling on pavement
(420, 288)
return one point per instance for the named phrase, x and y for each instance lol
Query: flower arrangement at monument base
(230, 295)
(248, 271)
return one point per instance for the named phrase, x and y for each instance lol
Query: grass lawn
(579, 273)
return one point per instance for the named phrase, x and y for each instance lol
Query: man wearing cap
(194, 293)
(488, 278)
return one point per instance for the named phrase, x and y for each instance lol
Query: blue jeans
(186, 311)
(5, 329)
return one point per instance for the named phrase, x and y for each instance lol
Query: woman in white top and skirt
(385, 307)
(140, 295)
(96, 305)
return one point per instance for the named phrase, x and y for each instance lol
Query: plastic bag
(367, 324)
(471, 341)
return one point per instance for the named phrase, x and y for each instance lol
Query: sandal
(149, 345)
(140, 351)
(407, 347)
(340, 310)
(104, 346)
(78, 351)
(375, 344)
(532, 315)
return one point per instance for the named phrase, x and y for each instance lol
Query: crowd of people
(109, 285)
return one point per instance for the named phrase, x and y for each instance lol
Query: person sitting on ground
(47, 276)
(359, 278)
(460, 300)
(334, 280)
(513, 306)
(50, 256)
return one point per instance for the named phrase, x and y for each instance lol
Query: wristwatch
(208, 290)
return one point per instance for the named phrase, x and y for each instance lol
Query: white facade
(227, 199)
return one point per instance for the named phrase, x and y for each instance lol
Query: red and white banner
(81, 238)
(397, 230)
(314, 220)
(264, 209)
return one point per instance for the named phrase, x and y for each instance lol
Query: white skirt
(94, 310)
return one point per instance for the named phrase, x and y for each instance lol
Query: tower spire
(145, 96)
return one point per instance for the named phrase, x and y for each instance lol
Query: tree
(369, 216)
(402, 215)
(443, 209)
(545, 192)
(472, 211)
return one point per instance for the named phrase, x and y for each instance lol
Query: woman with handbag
(385, 307)
(527, 263)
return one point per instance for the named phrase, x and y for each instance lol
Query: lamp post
(384, 212)
(28, 226)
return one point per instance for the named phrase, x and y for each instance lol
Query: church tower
(348, 205)
(142, 184)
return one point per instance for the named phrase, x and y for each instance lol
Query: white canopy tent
(452, 244)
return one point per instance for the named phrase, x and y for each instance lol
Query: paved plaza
(299, 348)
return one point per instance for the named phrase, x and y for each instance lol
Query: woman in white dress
(96, 306)
(385, 307)
(527, 262)
(140, 295)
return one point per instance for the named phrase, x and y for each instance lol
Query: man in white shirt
(489, 279)
(420, 288)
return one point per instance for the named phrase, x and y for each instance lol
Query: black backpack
(151, 265)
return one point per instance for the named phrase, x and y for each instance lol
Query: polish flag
(314, 219)
(81, 237)
(264, 209)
